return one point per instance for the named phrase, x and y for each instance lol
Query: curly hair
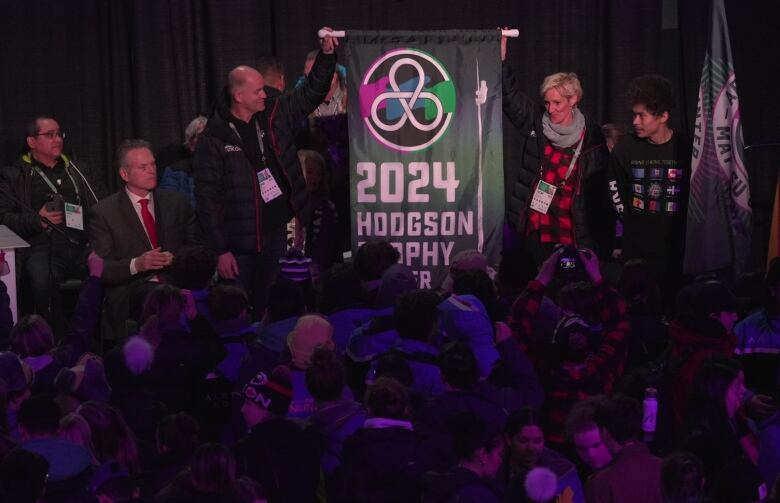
(653, 91)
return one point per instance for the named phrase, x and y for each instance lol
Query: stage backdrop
(426, 155)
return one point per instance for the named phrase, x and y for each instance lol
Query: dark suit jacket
(117, 234)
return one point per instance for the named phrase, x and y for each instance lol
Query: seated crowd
(362, 387)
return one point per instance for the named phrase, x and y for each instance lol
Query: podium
(9, 242)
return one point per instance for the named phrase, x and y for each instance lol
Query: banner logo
(407, 100)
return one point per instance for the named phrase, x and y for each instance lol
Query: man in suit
(137, 231)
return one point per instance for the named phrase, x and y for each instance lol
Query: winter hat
(87, 380)
(272, 392)
(311, 332)
(466, 261)
(396, 280)
(12, 371)
(572, 338)
(294, 266)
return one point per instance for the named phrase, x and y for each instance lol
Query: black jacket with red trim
(228, 199)
(592, 213)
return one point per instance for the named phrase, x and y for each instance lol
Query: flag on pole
(719, 213)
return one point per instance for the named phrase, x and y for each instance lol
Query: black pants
(68, 261)
(257, 271)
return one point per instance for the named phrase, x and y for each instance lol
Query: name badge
(74, 216)
(543, 196)
(269, 189)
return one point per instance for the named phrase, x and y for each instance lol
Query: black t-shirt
(276, 213)
(651, 181)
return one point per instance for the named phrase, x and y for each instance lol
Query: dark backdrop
(113, 69)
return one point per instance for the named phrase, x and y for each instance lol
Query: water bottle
(649, 410)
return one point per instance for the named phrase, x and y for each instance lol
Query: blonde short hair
(568, 84)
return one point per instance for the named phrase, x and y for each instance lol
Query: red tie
(148, 219)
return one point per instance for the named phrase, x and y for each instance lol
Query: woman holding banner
(559, 194)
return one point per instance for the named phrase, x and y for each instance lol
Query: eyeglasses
(52, 134)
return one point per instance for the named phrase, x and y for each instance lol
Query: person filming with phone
(45, 188)
(586, 351)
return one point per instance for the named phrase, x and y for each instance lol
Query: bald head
(247, 96)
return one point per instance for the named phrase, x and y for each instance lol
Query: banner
(426, 154)
(719, 213)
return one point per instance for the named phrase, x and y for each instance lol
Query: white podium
(9, 242)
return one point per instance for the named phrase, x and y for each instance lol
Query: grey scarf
(564, 136)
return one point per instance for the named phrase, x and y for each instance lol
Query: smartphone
(55, 202)
(568, 263)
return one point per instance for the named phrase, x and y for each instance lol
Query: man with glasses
(46, 188)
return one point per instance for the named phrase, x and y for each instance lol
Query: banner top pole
(514, 33)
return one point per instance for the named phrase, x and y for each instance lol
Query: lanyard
(260, 136)
(573, 162)
(574, 158)
(51, 185)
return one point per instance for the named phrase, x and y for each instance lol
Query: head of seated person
(162, 312)
(458, 366)
(388, 399)
(373, 258)
(325, 376)
(228, 302)
(416, 315)
(32, 336)
(341, 289)
(585, 434)
(708, 307)
(285, 301)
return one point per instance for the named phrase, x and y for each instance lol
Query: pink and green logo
(407, 100)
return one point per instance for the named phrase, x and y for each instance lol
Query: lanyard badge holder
(269, 189)
(74, 214)
(545, 192)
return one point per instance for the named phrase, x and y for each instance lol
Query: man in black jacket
(248, 180)
(48, 184)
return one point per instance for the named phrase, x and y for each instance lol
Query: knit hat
(12, 372)
(466, 261)
(271, 392)
(87, 380)
(311, 332)
(295, 266)
(573, 338)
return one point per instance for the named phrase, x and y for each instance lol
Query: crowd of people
(213, 356)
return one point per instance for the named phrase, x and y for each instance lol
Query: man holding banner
(425, 145)
(248, 179)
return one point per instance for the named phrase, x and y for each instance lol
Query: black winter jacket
(383, 465)
(17, 179)
(591, 209)
(228, 201)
